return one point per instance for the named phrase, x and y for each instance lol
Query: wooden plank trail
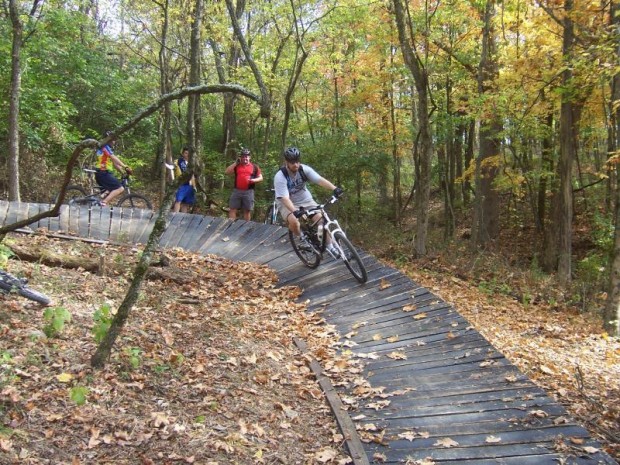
(458, 398)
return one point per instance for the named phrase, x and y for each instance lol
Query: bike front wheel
(134, 201)
(304, 251)
(72, 195)
(351, 258)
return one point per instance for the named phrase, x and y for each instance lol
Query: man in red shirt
(246, 174)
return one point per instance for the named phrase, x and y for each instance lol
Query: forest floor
(206, 371)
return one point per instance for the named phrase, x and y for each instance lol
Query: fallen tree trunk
(161, 270)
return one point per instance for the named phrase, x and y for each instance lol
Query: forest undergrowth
(552, 335)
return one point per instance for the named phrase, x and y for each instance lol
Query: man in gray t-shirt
(293, 193)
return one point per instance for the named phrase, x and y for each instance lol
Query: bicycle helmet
(292, 154)
(245, 152)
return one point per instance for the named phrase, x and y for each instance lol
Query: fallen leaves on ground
(204, 373)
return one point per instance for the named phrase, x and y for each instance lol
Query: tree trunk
(486, 216)
(14, 99)
(611, 313)
(102, 353)
(559, 235)
(420, 76)
(194, 121)
(292, 84)
(229, 120)
(547, 167)
(165, 133)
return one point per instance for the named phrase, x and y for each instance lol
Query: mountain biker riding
(291, 191)
(103, 175)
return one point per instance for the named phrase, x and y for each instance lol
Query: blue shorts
(107, 180)
(186, 194)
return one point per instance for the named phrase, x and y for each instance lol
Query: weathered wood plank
(174, 230)
(191, 230)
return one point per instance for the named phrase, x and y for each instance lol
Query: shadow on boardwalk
(459, 400)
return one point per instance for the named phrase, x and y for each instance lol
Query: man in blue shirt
(186, 195)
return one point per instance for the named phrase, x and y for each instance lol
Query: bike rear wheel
(134, 201)
(72, 194)
(307, 255)
(351, 258)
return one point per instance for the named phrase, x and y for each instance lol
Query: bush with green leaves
(103, 319)
(55, 319)
(5, 254)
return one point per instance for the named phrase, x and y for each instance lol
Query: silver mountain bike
(317, 231)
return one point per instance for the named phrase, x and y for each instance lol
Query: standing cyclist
(185, 196)
(291, 191)
(247, 174)
(103, 176)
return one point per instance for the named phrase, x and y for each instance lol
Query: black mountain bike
(316, 228)
(78, 195)
(9, 283)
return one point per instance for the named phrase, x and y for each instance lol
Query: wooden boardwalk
(458, 399)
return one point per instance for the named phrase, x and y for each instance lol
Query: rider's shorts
(284, 211)
(186, 194)
(242, 199)
(107, 180)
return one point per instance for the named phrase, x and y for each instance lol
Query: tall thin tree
(416, 65)
(18, 40)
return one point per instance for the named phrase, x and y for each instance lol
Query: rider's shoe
(333, 251)
(305, 244)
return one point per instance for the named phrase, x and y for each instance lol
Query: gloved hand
(299, 213)
(338, 191)
(128, 170)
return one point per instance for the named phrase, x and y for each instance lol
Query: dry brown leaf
(446, 442)
(325, 455)
(408, 435)
(379, 457)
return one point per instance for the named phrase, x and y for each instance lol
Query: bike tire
(72, 194)
(132, 201)
(351, 258)
(9, 283)
(308, 257)
(34, 295)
